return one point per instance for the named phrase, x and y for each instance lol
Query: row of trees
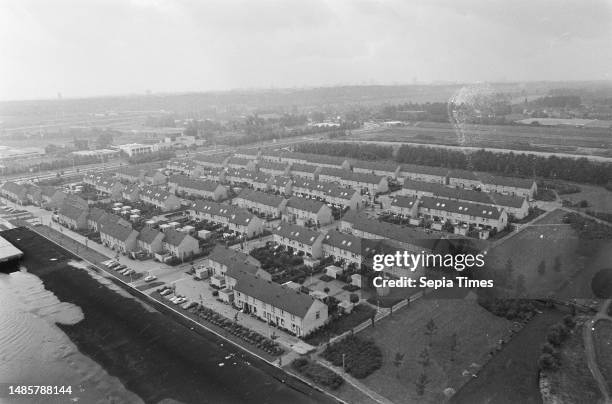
(511, 164)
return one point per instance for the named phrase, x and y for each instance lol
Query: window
(318, 315)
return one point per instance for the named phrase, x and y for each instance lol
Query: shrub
(547, 362)
(569, 322)
(354, 298)
(361, 357)
(317, 373)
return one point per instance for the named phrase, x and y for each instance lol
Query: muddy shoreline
(154, 355)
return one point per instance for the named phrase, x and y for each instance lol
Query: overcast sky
(81, 48)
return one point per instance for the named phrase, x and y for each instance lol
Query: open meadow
(402, 339)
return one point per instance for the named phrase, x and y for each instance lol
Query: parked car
(189, 305)
(128, 272)
(120, 268)
(180, 300)
(165, 292)
(150, 278)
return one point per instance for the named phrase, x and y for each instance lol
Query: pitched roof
(95, 214)
(298, 233)
(148, 235)
(515, 182)
(328, 188)
(174, 237)
(306, 168)
(191, 183)
(228, 256)
(261, 197)
(307, 205)
(71, 211)
(464, 174)
(468, 195)
(343, 241)
(116, 230)
(233, 214)
(427, 170)
(388, 166)
(286, 299)
(155, 193)
(407, 235)
(13, 187)
(403, 201)
(215, 159)
(460, 207)
(270, 165)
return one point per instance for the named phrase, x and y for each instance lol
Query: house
(423, 173)
(46, 195)
(513, 204)
(379, 168)
(209, 173)
(160, 198)
(131, 193)
(206, 189)
(462, 213)
(222, 258)
(464, 179)
(309, 171)
(241, 163)
(155, 177)
(404, 206)
(237, 220)
(412, 239)
(56, 201)
(14, 192)
(265, 205)
(150, 240)
(343, 247)
(226, 265)
(307, 211)
(280, 184)
(96, 221)
(291, 310)
(180, 245)
(299, 239)
(106, 186)
(272, 168)
(333, 194)
(367, 184)
(524, 187)
(251, 154)
(72, 216)
(94, 217)
(118, 237)
(34, 195)
(213, 160)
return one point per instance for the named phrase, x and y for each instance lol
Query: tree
(557, 264)
(542, 267)
(430, 330)
(424, 358)
(520, 285)
(547, 362)
(421, 383)
(354, 298)
(454, 346)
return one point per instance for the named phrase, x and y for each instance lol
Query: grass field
(542, 241)
(599, 198)
(603, 347)
(498, 136)
(573, 382)
(478, 333)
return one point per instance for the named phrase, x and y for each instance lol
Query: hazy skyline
(86, 48)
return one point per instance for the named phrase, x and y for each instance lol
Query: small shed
(346, 306)
(333, 271)
(292, 285)
(226, 295)
(356, 280)
(204, 234)
(311, 262)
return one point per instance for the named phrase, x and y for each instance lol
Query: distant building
(299, 239)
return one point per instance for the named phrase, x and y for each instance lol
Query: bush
(354, 298)
(547, 362)
(569, 321)
(361, 357)
(317, 373)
